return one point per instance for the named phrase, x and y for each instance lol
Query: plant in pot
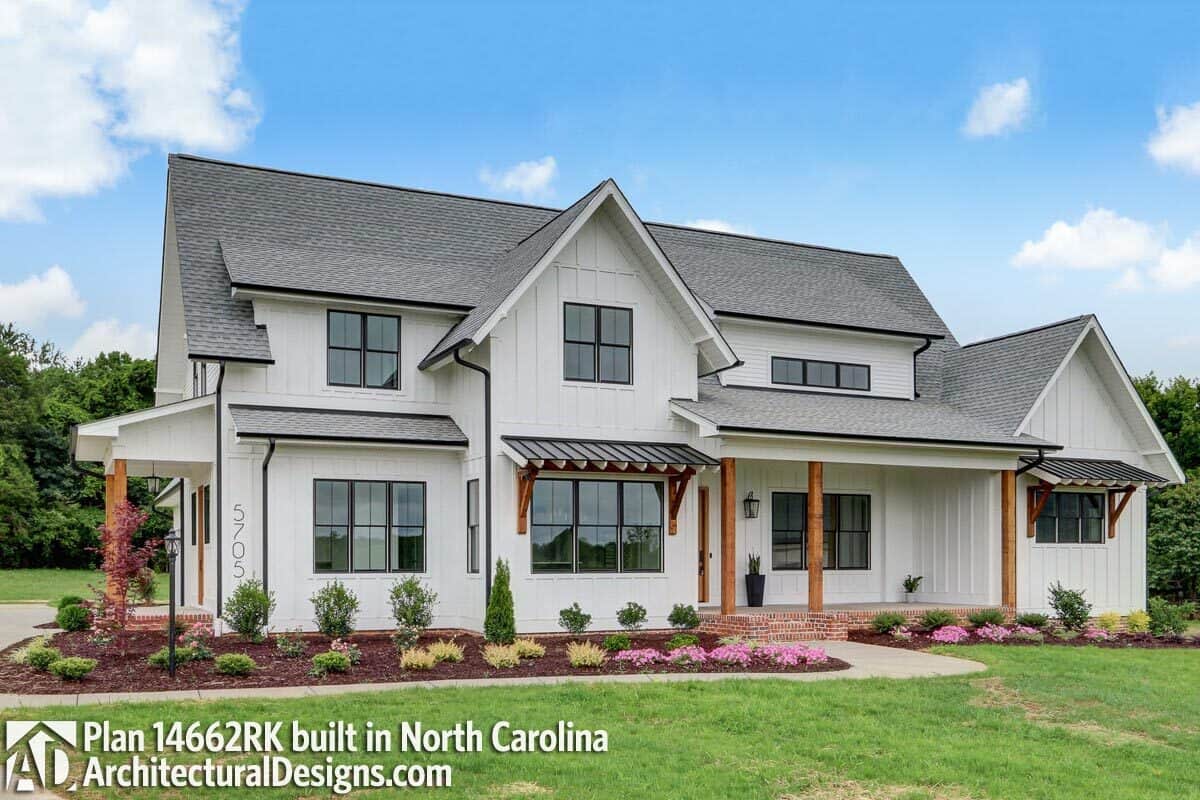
(756, 582)
(912, 584)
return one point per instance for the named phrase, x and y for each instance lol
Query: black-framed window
(368, 526)
(473, 526)
(824, 374)
(847, 524)
(597, 343)
(363, 350)
(1071, 518)
(596, 526)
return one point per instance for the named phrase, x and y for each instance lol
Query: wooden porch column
(728, 534)
(816, 536)
(115, 492)
(1008, 538)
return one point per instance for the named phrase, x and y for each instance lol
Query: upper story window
(597, 344)
(825, 374)
(1072, 518)
(364, 350)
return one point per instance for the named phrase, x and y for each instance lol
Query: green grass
(1042, 723)
(48, 585)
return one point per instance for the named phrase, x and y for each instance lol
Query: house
(360, 382)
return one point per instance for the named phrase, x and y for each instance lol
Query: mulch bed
(128, 671)
(1120, 641)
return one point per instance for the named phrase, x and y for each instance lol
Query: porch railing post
(816, 536)
(728, 534)
(115, 493)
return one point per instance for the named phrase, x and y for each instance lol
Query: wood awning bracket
(1035, 502)
(1115, 508)
(677, 484)
(525, 481)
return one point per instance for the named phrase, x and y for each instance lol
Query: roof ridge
(771, 240)
(544, 225)
(1028, 331)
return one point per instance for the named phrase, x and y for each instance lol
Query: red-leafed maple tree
(121, 561)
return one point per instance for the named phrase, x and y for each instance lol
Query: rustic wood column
(115, 492)
(1008, 538)
(816, 536)
(728, 534)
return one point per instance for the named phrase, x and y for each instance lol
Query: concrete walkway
(17, 621)
(866, 660)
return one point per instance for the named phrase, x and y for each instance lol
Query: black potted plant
(911, 586)
(756, 582)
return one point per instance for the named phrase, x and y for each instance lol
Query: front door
(703, 545)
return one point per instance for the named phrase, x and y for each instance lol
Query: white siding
(956, 542)
(890, 358)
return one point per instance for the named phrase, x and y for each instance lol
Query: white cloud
(528, 178)
(108, 335)
(1178, 268)
(1130, 281)
(40, 296)
(998, 108)
(719, 225)
(1176, 143)
(87, 87)
(1100, 240)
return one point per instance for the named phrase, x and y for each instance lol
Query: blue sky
(949, 135)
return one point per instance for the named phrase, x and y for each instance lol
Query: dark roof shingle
(319, 424)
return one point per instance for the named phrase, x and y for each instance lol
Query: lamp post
(172, 543)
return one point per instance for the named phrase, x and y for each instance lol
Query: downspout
(917, 352)
(487, 471)
(734, 365)
(1041, 457)
(265, 541)
(220, 436)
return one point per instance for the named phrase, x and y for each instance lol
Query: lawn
(47, 585)
(1049, 722)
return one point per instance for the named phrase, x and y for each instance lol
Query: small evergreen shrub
(335, 609)
(617, 642)
(160, 657)
(586, 654)
(290, 645)
(21, 654)
(574, 620)
(329, 661)
(73, 618)
(1031, 620)
(936, 618)
(412, 603)
(1137, 622)
(69, 600)
(632, 617)
(1109, 621)
(417, 659)
(986, 616)
(682, 640)
(40, 658)
(248, 610)
(500, 623)
(235, 664)
(73, 668)
(1071, 610)
(683, 617)
(501, 656)
(1166, 618)
(444, 650)
(888, 621)
(528, 648)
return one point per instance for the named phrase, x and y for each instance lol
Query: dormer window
(823, 374)
(363, 350)
(597, 344)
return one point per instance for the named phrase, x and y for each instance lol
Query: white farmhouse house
(358, 382)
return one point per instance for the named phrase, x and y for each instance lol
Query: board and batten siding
(890, 358)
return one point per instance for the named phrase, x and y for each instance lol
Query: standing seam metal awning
(586, 453)
(1092, 472)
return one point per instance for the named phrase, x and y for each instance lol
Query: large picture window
(596, 526)
(847, 540)
(1071, 518)
(824, 374)
(597, 343)
(368, 526)
(363, 350)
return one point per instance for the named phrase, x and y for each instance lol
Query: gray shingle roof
(998, 380)
(1095, 470)
(821, 414)
(550, 449)
(350, 426)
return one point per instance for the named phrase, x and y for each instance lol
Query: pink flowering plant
(349, 649)
(1025, 633)
(950, 634)
(992, 633)
(691, 655)
(643, 658)
(792, 655)
(731, 655)
(902, 634)
(1096, 635)
(198, 637)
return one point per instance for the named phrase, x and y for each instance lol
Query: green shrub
(412, 603)
(888, 621)
(183, 655)
(235, 664)
(682, 640)
(501, 656)
(443, 650)
(73, 668)
(69, 600)
(73, 618)
(574, 620)
(21, 654)
(1137, 622)
(40, 658)
(248, 610)
(329, 661)
(290, 645)
(1032, 620)
(528, 648)
(632, 617)
(585, 654)
(500, 622)
(335, 609)
(986, 616)
(683, 617)
(405, 638)
(936, 618)
(617, 642)
(1071, 610)
(1166, 618)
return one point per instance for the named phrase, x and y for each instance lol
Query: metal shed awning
(1091, 472)
(605, 456)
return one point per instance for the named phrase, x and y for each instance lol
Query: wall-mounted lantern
(750, 504)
